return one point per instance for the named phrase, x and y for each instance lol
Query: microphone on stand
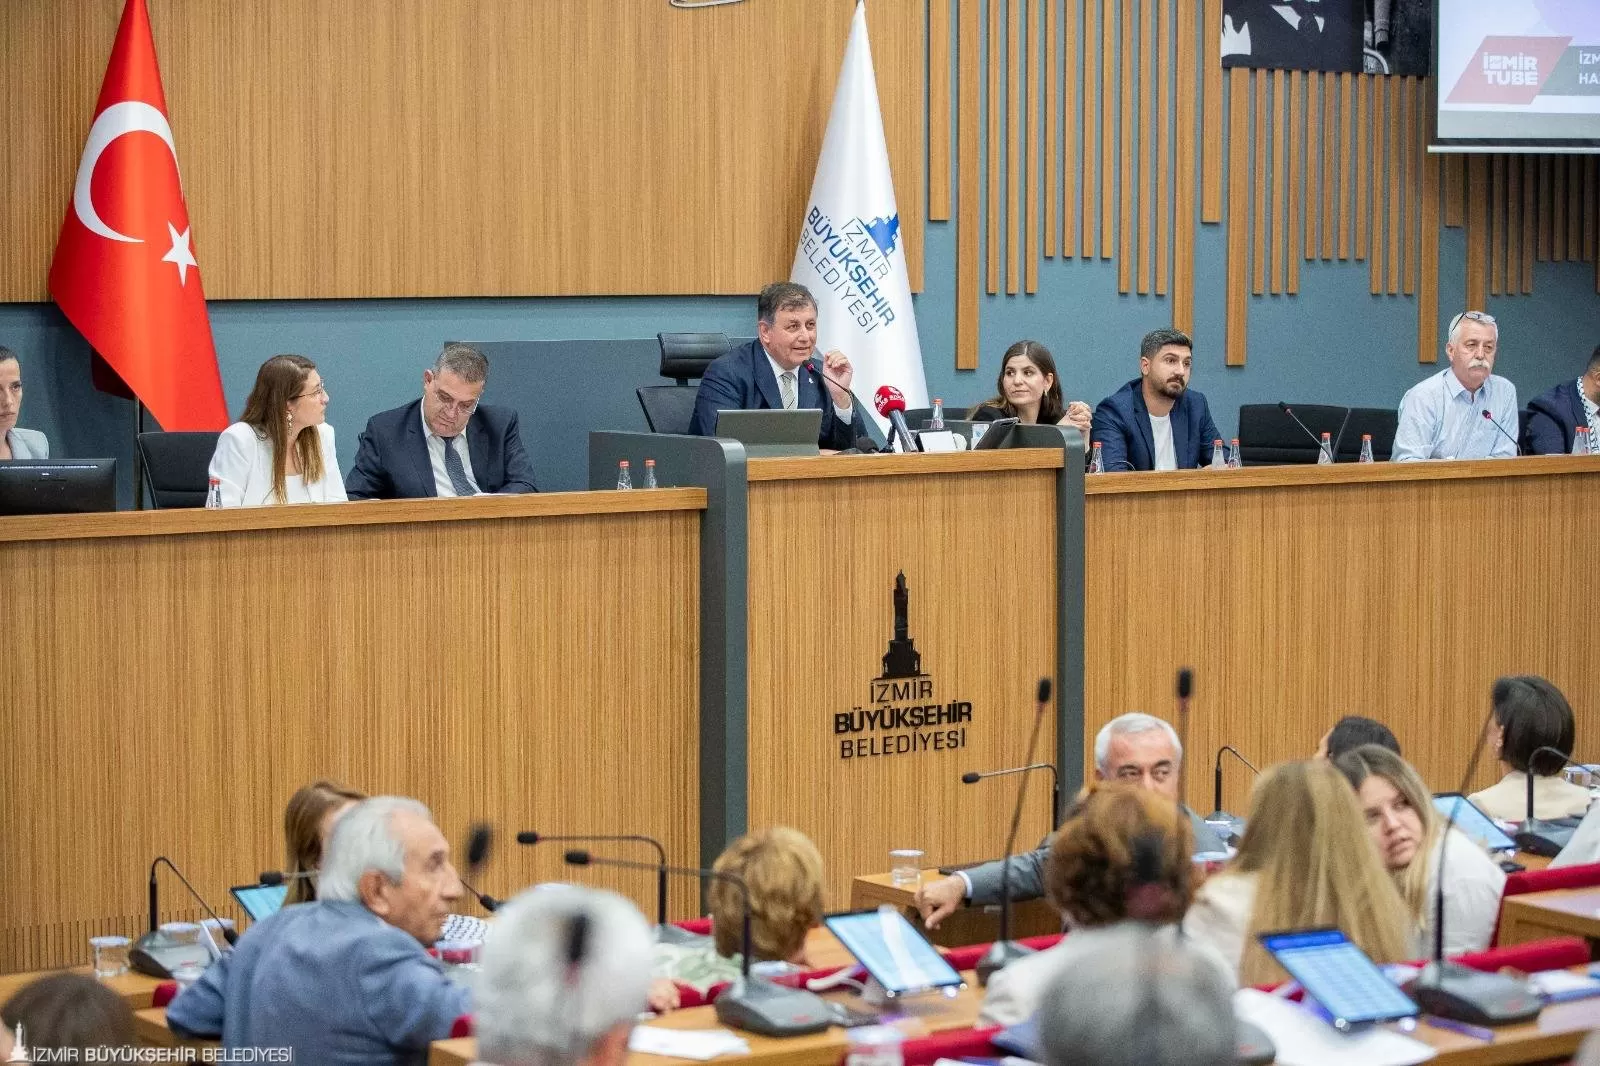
(478, 854)
(1491, 420)
(665, 932)
(273, 878)
(1005, 949)
(892, 405)
(153, 954)
(1219, 818)
(972, 777)
(1185, 692)
(865, 444)
(1537, 836)
(753, 1003)
(1286, 409)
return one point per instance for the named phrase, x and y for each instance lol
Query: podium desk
(173, 676)
(967, 924)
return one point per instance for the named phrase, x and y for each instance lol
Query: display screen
(1473, 822)
(896, 955)
(260, 901)
(1339, 976)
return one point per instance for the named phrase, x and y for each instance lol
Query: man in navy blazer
(1155, 421)
(777, 370)
(415, 450)
(1554, 416)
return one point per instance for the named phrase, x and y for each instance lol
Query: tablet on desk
(1473, 822)
(893, 951)
(1338, 975)
(260, 901)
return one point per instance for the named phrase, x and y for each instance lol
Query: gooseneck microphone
(1489, 417)
(863, 444)
(892, 405)
(754, 1004)
(273, 878)
(1536, 836)
(157, 956)
(1217, 774)
(972, 777)
(1005, 949)
(1286, 409)
(530, 838)
(229, 935)
(1185, 693)
(478, 854)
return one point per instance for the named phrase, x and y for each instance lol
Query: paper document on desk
(697, 1044)
(1303, 1039)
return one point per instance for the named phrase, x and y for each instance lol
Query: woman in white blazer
(16, 443)
(281, 449)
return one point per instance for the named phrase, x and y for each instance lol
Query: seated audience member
(1553, 416)
(1155, 421)
(281, 450)
(1029, 391)
(1140, 998)
(67, 1010)
(783, 870)
(1408, 833)
(1135, 748)
(1125, 856)
(1306, 862)
(307, 823)
(347, 977)
(1352, 731)
(1531, 713)
(563, 976)
(16, 443)
(776, 371)
(1441, 417)
(446, 443)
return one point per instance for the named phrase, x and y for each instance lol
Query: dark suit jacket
(1553, 420)
(1122, 426)
(742, 380)
(392, 455)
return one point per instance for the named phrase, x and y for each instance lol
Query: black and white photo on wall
(1346, 36)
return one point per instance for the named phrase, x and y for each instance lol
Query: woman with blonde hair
(1305, 862)
(281, 450)
(1408, 832)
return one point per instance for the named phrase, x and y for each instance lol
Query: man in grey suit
(1136, 748)
(16, 443)
(345, 978)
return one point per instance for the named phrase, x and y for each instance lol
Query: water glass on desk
(905, 867)
(110, 955)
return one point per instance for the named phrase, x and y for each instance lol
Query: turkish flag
(124, 271)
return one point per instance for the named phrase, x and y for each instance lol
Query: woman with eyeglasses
(281, 449)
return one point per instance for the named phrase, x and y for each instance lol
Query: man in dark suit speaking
(778, 370)
(1155, 421)
(417, 450)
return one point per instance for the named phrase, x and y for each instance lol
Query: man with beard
(1442, 416)
(1155, 421)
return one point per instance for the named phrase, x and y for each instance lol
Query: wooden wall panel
(360, 148)
(1346, 118)
(968, 268)
(939, 37)
(1497, 225)
(1382, 161)
(1052, 119)
(1514, 229)
(1030, 183)
(1184, 176)
(1238, 273)
(1530, 220)
(528, 728)
(1314, 152)
(1477, 232)
(1558, 205)
(1164, 92)
(1454, 170)
(1575, 206)
(1152, 71)
(1428, 272)
(1397, 163)
(1013, 146)
(994, 220)
(1363, 178)
(1280, 179)
(1110, 83)
(1260, 142)
(1296, 176)
(1330, 129)
(1211, 130)
(1591, 204)
(1411, 193)
(1071, 147)
(1546, 210)
(1092, 148)
(1127, 136)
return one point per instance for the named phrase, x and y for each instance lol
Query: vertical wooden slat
(1378, 119)
(1164, 89)
(1052, 118)
(1184, 176)
(1558, 204)
(1396, 180)
(1280, 178)
(1363, 178)
(1313, 193)
(968, 211)
(1428, 274)
(1330, 126)
(1211, 128)
(1453, 169)
(1497, 225)
(1545, 209)
(1413, 180)
(1150, 62)
(1109, 83)
(1014, 146)
(1296, 176)
(1033, 133)
(1126, 134)
(994, 221)
(1530, 220)
(1575, 207)
(1073, 70)
(1347, 83)
(1477, 232)
(1513, 225)
(1238, 213)
(1091, 133)
(1259, 142)
(1591, 176)
(939, 110)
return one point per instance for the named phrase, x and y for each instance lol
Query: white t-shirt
(1161, 430)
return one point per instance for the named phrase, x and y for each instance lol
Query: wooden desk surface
(135, 989)
(1262, 477)
(968, 925)
(1555, 1034)
(1562, 912)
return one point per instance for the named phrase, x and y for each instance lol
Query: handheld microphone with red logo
(892, 405)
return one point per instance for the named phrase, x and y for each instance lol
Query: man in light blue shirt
(1443, 417)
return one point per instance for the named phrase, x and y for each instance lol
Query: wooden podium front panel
(165, 694)
(1398, 591)
(978, 553)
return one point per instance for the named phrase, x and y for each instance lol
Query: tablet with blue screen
(1473, 822)
(260, 901)
(1338, 975)
(893, 951)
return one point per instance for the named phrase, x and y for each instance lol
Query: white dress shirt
(1441, 419)
(1473, 883)
(27, 443)
(1220, 915)
(242, 464)
(441, 476)
(846, 413)
(1161, 434)
(1584, 847)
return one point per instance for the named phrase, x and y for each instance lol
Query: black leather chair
(176, 465)
(1381, 422)
(1268, 437)
(669, 408)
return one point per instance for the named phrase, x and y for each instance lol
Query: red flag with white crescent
(124, 271)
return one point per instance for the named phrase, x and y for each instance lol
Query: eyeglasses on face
(451, 405)
(320, 390)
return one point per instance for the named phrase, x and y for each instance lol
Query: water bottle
(1219, 455)
(214, 493)
(936, 418)
(1581, 445)
(624, 479)
(1325, 453)
(650, 474)
(874, 1045)
(1366, 448)
(1097, 461)
(1235, 456)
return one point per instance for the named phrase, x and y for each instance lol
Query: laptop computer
(772, 432)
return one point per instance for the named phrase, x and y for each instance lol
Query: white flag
(851, 256)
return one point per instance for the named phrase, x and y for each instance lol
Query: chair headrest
(686, 355)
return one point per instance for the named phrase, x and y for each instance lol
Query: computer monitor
(57, 486)
(772, 432)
